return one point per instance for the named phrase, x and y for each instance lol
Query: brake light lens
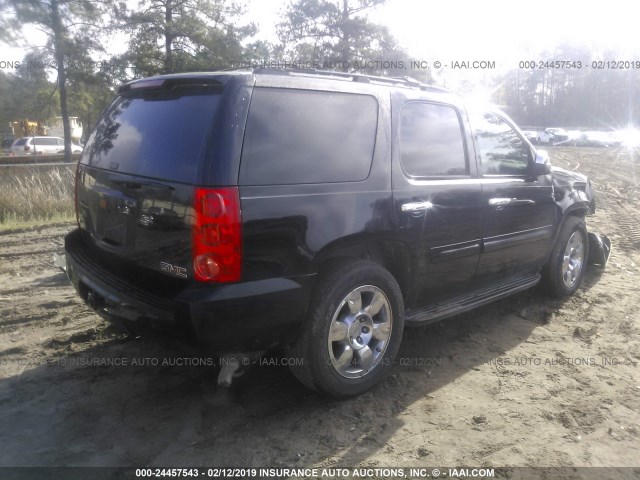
(217, 235)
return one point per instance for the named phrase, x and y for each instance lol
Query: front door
(518, 209)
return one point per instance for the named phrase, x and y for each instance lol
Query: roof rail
(354, 77)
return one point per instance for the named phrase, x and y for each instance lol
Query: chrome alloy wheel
(573, 259)
(360, 331)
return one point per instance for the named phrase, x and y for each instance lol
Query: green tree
(27, 92)
(170, 36)
(338, 35)
(70, 26)
(571, 96)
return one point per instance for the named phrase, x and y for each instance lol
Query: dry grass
(39, 194)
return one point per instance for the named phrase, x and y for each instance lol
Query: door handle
(503, 201)
(416, 207)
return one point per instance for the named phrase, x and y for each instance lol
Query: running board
(469, 301)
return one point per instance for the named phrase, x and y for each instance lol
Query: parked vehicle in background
(6, 145)
(28, 128)
(553, 136)
(56, 128)
(315, 211)
(25, 146)
(532, 136)
(594, 139)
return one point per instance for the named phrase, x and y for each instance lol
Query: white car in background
(25, 146)
(553, 136)
(532, 136)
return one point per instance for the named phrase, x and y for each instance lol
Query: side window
(502, 151)
(431, 142)
(303, 136)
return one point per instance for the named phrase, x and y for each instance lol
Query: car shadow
(86, 407)
(57, 279)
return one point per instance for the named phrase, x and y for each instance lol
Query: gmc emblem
(173, 270)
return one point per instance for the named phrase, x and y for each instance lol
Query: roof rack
(354, 77)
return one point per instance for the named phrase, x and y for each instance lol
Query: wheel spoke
(573, 259)
(381, 330)
(345, 358)
(377, 302)
(572, 242)
(355, 302)
(338, 331)
(365, 358)
(577, 267)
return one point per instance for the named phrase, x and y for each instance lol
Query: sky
(505, 32)
(496, 29)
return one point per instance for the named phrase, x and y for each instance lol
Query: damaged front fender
(572, 191)
(599, 249)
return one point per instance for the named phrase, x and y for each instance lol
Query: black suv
(315, 211)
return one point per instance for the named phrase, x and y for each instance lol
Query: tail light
(217, 235)
(27, 148)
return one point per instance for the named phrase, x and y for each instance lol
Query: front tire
(565, 270)
(352, 332)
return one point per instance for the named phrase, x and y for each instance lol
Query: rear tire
(352, 331)
(567, 265)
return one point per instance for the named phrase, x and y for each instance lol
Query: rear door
(518, 209)
(314, 176)
(437, 198)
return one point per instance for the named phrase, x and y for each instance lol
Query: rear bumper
(246, 316)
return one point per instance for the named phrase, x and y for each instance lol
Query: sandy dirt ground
(527, 381)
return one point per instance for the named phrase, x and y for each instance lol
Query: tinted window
(431, 141)
(154, 134)
(502, 151)
(296, 136)
(20, 142)
(45, 141)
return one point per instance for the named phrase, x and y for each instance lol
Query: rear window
(45, 141)
(300, 136)
(20, 142)
(154, 134)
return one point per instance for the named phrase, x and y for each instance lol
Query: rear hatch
(136, 177)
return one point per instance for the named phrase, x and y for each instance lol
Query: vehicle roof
(37, 136)
(315, 78)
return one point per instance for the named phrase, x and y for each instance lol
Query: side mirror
(542, 164)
